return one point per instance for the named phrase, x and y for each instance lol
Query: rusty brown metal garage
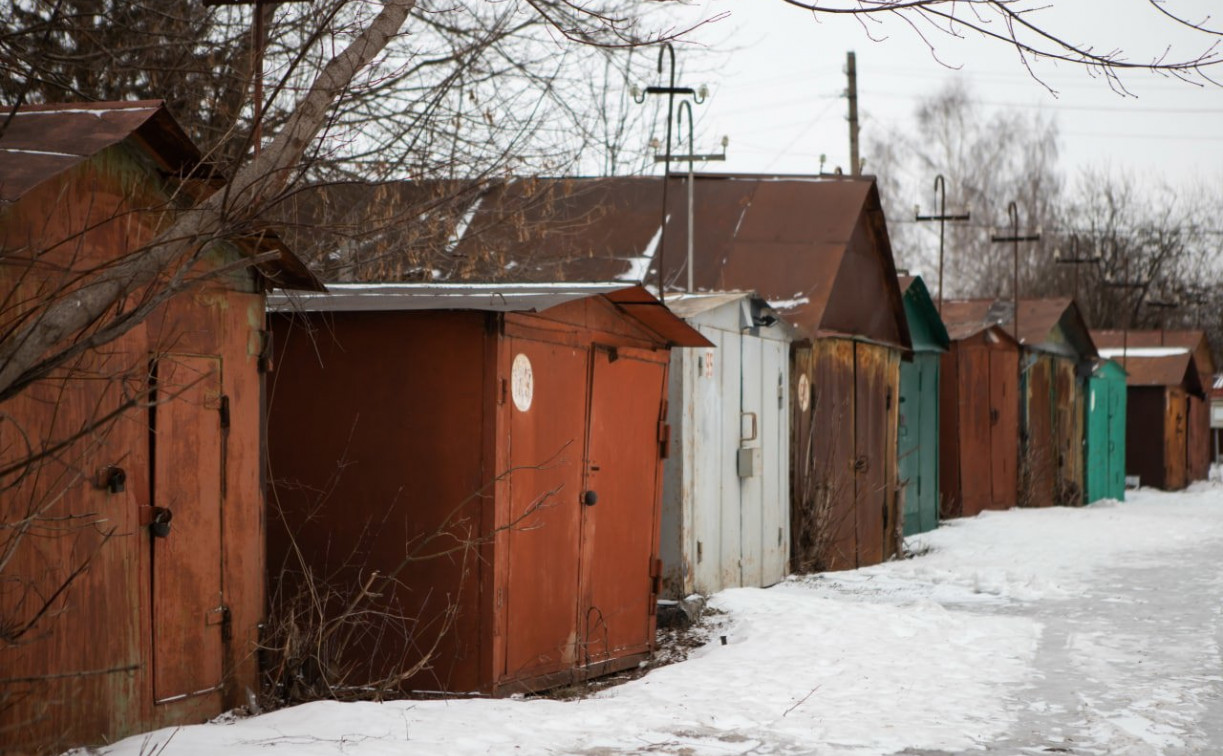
(117, 620)
(491, 457)
(1057, 351)
(816, 248)
(1161, 381)
(1200, 443)
(979, 412)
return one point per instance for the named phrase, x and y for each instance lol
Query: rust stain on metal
(809, 246)
(844, 463)
(174, 474)
(551, 485)
(979, 428)
(1038, 450)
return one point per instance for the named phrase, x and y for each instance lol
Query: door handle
(755, 432)
(590, 498)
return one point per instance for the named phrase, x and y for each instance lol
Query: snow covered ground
(1085, 631)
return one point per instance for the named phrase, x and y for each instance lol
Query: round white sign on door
(522, 383)
(804, 392)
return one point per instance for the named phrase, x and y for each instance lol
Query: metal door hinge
(264, 360)
(221, 616)
(664, 439)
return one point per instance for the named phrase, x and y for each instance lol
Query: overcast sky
(777, 83)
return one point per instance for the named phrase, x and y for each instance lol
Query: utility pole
(1163, 307)
(1076, 261)
(940, 188)
(1015, 237)
(851, 70)
(1125, 283)
(670, 92)
(258, 43)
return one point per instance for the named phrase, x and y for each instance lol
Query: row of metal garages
(502, 479)
(811, 433)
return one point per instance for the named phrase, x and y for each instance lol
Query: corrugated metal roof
(809, 246)
(1039, 320)
(919, 303)
(42, 141)
(1192, 339)
(502, 297)
(1175, 370)
(688, 305)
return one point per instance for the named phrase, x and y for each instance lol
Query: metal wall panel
(1039, 448)
(1145, 434)
(83, 672)
(775, 435)
(1005, 399)
(753, 423)
(494, 448)
(619, 550)
(871, 461)
(706, 496)
(727, 530)
(188, 599)
(1117, 424)
(1198, 438)
(979, 439)
(950, 436)
(1068, 416)
(918, 436)
(729, 369)
(1105, 434)
(977, 419)
(823, 527)
(546, 454)
(1176, 439)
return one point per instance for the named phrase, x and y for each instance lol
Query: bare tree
(1032, 28)
(988, 160)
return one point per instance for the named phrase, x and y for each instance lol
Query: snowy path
(1133, 667)
(1085, 631)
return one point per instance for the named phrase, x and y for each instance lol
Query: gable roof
(42, 142)
(637, 303)
(926, 329)
(816, 249)
(1049, 325)
(1194, 340)
(1158, 366)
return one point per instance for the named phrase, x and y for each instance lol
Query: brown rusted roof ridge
(1172, 370)
(966, 317)
(1194, 340)
(42, 141)
(1038, 321)
(788, 238)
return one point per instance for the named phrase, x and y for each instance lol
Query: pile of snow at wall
(933, 652)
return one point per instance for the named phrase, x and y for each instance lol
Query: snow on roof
(1110, 353)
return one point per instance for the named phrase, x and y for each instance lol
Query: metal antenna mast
(940, 189)
(691, 157)
(1015, 237)
(670, 91)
